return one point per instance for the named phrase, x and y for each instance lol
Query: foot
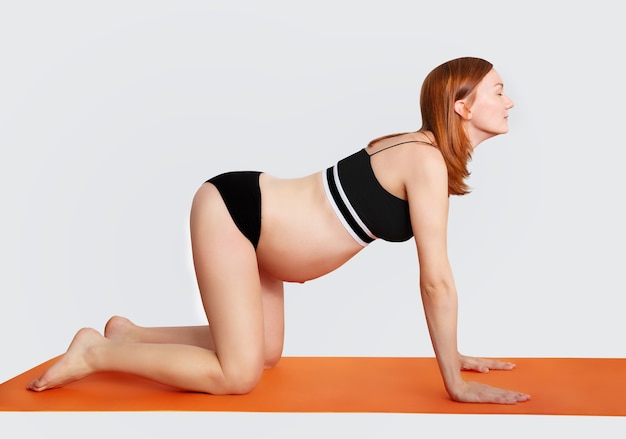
(73, 365)
(121, 329)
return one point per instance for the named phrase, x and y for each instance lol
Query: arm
(427, 192)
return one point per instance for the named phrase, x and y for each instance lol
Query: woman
(251, 232)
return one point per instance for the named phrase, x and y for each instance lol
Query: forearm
(441, 309)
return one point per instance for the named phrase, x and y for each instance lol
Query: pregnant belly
(301, 236)
(300, 260)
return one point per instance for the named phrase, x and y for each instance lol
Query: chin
(498, 132)
(503, 130)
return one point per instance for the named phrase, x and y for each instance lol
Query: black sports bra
(366, 208)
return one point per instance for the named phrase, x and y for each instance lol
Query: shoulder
(425, 168)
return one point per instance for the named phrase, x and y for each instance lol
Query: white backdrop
(112, 114)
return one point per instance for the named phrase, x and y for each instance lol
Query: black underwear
(242, 195)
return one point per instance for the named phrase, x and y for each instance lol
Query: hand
(483, 393)
(483, 365)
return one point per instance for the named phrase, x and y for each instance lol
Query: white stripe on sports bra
(346, 201)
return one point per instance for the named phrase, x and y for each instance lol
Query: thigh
(230, 285)
(273, 318)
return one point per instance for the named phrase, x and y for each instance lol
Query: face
(487, 116)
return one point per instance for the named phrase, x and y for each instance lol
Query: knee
(242, 380)
(271, 362)
(273, 354)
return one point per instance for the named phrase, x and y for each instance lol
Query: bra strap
(402, 143)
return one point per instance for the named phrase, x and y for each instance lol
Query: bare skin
(301, 239)
(243, 303)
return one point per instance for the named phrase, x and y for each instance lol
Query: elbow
(437, 287)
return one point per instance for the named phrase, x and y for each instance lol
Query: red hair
(443, 86)
(451, 81)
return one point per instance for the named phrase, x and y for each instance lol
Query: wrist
(455, 389)
(453, 380)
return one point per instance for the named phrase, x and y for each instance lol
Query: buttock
(241, 193)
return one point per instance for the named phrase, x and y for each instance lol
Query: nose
(510, 104)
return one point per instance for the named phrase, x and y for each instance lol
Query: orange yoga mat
(558, 386)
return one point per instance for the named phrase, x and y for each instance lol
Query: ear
(462, 109)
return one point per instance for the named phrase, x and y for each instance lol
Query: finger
(485, 365)
(514, 398)
(510, 397)
(475, 364)
(500, 365)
